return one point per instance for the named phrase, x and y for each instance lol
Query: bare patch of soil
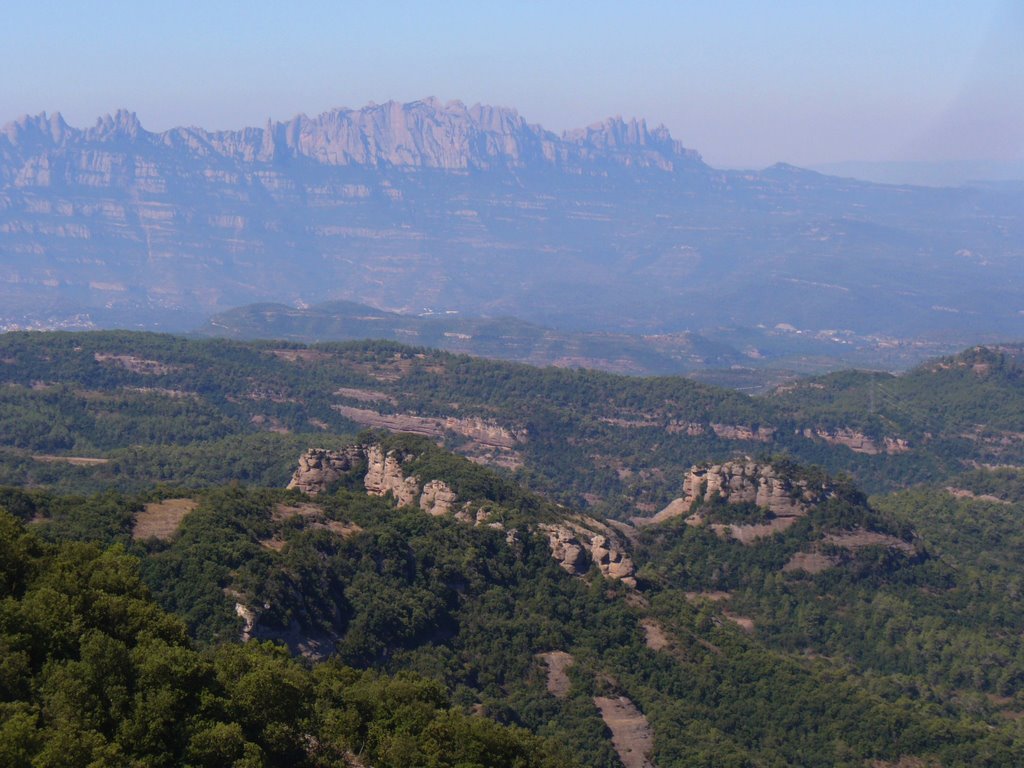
(654, 635)
(137, 364)
(963, 493)
(314, 518)
(749, 534)
(675, 508)
(906, 761)
(711, 596)
(365, 395)
(160, 519)
(78, 461)
(809, 562)
(558, 663)
(631, 733)
(301, 355)
(860, 538)
(743, 622)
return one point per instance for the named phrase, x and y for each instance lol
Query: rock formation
(738, 482)
(384, 475)
(856, 441)
(319, 467)
(437, 498)
(577, 542)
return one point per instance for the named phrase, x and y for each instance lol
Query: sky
(747, 84)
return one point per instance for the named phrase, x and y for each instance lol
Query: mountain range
(616, 227)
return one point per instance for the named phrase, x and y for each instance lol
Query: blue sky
(745, 83)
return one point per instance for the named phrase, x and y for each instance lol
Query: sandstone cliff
(384, 475)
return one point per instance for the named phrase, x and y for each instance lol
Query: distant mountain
(617, 227)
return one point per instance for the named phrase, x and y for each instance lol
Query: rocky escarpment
(319, 468)
(384, 475)
(858, 442)
(421, 134)
(738, 482)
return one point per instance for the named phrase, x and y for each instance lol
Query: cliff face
(858, 442)
(405, 206)
(384, 475)
(118, 217)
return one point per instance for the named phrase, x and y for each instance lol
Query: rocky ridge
(427, 133)
(576, 542)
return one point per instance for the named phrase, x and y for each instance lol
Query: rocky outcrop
(738, 482)
(384, 475)
(739, 432)
(612, 560)
(480, 431)
(576, 543)
(319, 468)
(579, 542)
(567, 550)
(437, 498)
(856, 441)
(758, 434)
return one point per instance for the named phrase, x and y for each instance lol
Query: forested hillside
(561, 565)
(165, 409)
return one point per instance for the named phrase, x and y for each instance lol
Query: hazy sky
(745, 83)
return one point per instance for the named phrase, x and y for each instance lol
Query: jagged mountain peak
(426, 133)
(29, 129)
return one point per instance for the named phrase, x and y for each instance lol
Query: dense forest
(165, 600)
